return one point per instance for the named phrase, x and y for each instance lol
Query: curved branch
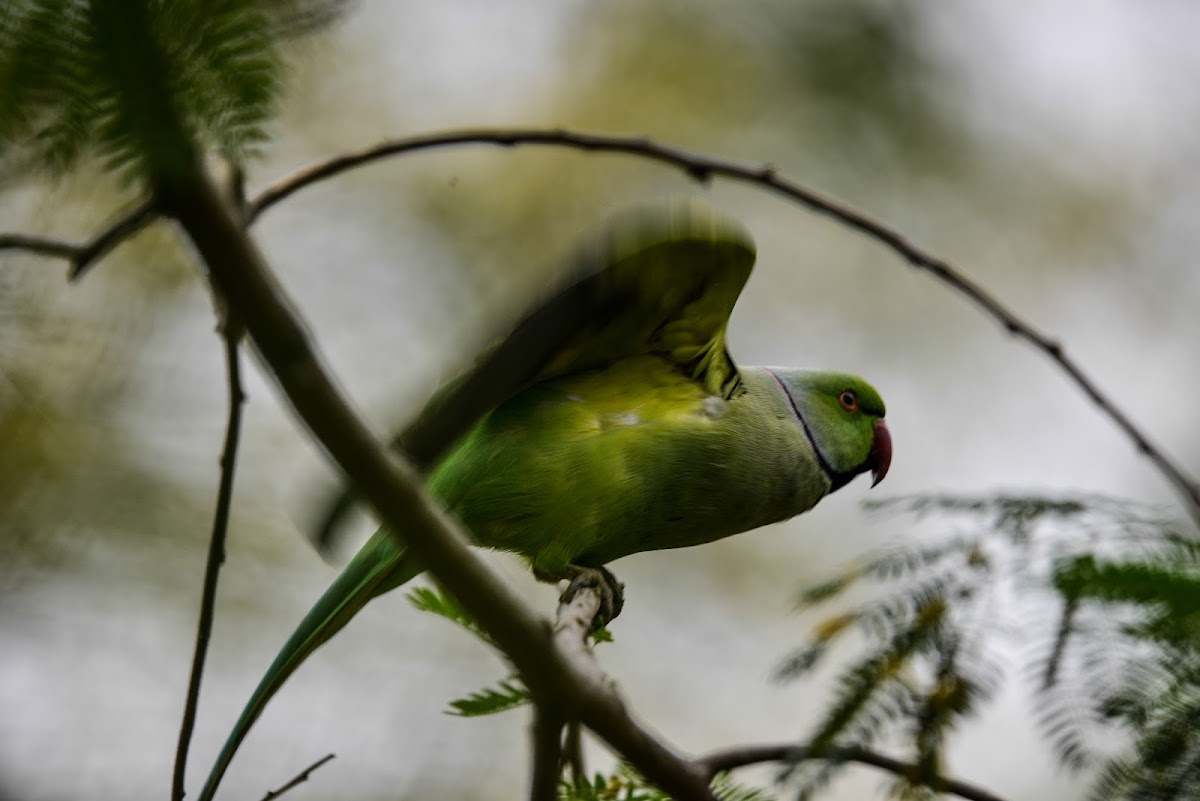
(741, 757)
(702, 167)
(699, 166)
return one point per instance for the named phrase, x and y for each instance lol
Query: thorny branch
(701, 167)
(231, 335)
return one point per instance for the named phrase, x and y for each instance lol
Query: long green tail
(380, 566)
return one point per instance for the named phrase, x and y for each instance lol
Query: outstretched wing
(661, 280)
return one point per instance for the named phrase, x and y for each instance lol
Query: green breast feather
(638, 433)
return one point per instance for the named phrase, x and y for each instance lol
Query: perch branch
(298, 779)
(702, 167)
(390, 484)
(741, 757)
(216, 551)
(572, 623)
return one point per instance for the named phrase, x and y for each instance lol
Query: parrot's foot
(612, 592)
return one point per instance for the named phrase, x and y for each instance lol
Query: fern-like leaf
(508, 694)
(429, 600)
(1122, 652)
(143, 84)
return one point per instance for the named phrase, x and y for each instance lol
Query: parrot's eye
(849, 401)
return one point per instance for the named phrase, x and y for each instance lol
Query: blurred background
(1050, 152)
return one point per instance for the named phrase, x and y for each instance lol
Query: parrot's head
(843, 418)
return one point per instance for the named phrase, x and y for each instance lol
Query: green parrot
(636, 434)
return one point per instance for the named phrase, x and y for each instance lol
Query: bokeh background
(1049, 150)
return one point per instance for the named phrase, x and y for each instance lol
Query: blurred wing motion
(663, 280)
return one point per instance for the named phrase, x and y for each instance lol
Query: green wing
(663, 279)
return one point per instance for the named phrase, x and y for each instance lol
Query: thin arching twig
(216, 552)
(721, 761)
(298, 779)
(701, 167)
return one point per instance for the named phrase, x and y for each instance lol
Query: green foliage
(1166, 587)
(508, 694)
(625, 784)
(425, 599)
(1119, 651)
(726, 789)
(1156, 599)
(143, 84)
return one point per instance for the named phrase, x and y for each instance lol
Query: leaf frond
(508, 694)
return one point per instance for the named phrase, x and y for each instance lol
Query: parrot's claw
(612, 592)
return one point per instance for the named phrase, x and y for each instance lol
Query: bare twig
(39, 246)
(702, 167)
(547, 753)
(81, 257)
(741, 757)
(299, 779)
(216, 552)
(240, 274)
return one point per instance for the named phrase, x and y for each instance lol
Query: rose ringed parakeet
(636, 433)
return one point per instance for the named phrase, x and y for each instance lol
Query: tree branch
(573, 754)
(216, 551)
(741, 757)
(572, 623)
(81, 257)
(547, 753)
(241, 276)
(299, 779)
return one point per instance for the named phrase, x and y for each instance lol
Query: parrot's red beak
(881, 453)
